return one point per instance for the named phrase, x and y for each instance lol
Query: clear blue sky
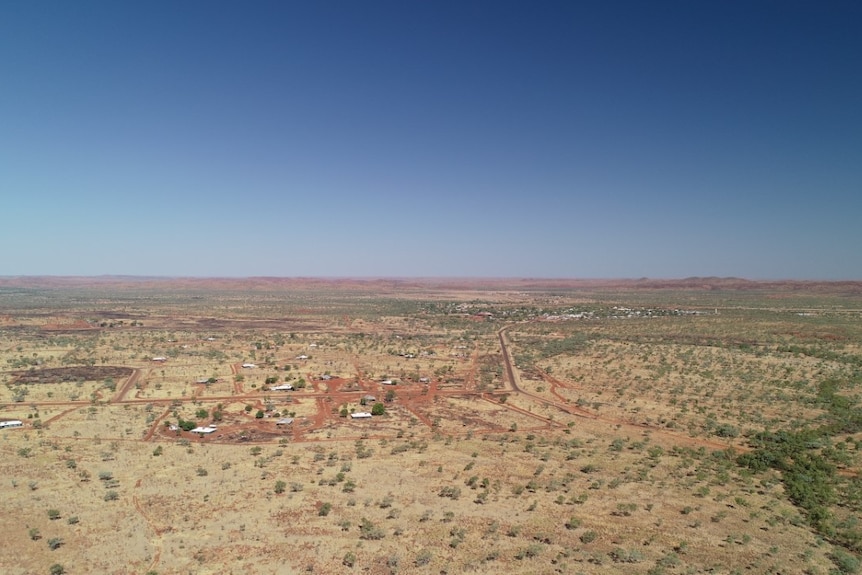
(341, 138)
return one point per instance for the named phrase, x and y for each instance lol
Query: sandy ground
(600, 461)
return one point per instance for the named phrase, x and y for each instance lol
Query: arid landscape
(276, 426)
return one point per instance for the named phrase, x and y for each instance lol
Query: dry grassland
(613, 447)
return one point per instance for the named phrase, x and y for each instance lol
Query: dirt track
(674, 437)
(415, 399)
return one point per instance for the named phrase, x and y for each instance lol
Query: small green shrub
(573, 523)
(423, 558)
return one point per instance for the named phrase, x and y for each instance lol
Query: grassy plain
(703, 426)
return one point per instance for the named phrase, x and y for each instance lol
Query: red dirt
(414, 398)
(124, 389)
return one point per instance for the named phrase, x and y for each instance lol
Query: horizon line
(147, 277)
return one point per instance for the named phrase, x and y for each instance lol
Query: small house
(360, 415)
(11, 423)
(284, 421)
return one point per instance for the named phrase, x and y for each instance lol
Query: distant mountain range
(384, 285)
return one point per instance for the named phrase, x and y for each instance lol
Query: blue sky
(500, 139)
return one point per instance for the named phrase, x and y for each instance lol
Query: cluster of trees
(186, 424)
(808, 464)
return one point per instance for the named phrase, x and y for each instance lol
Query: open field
(698, 426)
